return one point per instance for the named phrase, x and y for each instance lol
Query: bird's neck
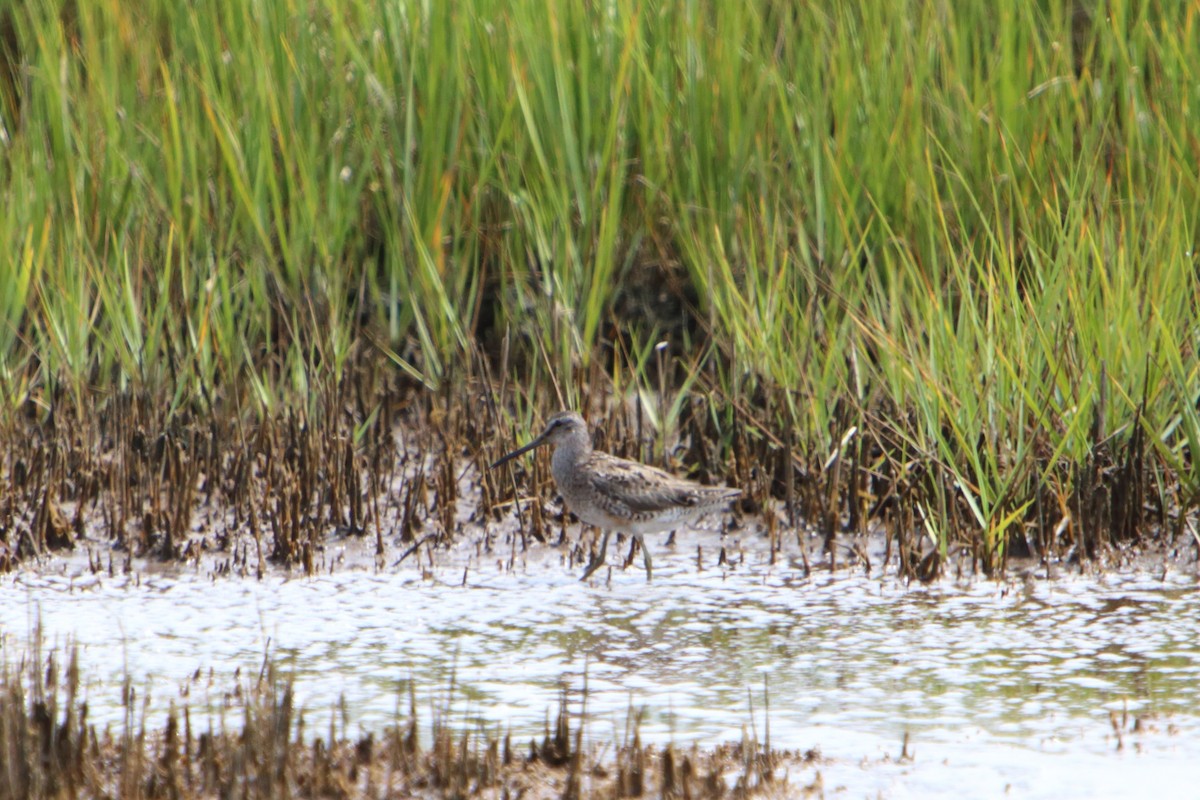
(571, 451)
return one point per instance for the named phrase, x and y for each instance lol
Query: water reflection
(843, 658)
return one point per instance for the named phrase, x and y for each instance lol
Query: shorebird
(615, 494)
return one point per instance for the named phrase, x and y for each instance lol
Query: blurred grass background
(954, 242)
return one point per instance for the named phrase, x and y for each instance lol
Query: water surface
(1009, 689)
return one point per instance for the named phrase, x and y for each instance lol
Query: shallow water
(1000, 687)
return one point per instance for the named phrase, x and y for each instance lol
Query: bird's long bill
(518, 452)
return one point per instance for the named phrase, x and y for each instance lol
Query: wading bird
(615, 494)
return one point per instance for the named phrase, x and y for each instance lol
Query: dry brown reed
(258, 746)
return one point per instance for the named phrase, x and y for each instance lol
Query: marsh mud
(377, 563)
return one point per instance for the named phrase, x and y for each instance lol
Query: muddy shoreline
(409, 481)
(370, 568)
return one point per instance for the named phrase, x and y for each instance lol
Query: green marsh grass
(942, 255)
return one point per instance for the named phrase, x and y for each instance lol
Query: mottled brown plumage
(615, 494)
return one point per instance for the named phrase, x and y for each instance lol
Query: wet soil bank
(428, 617)
(403, 470)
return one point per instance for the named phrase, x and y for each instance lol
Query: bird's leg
(598, 561)
(645, 556)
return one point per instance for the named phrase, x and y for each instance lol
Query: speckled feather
(614, 493)
(611, 492)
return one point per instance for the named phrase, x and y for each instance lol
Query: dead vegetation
(257, 745)
(404, 469)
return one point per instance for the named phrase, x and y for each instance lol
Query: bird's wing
(640, 487)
